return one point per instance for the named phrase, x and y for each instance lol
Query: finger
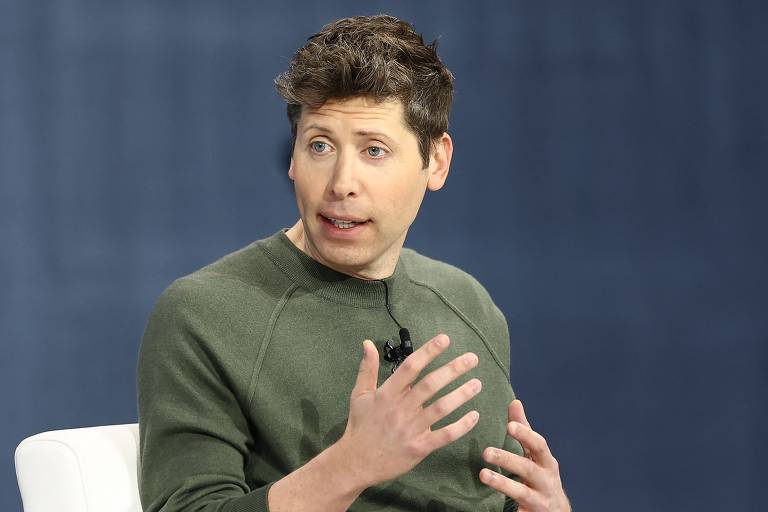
(407, 372)
(438, 379)
(441, 408)
(368, 373)
(521, 493)
(531, 473)
(515, 412)
(450, 433)
(534, 444)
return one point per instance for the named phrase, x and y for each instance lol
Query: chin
(344, 258)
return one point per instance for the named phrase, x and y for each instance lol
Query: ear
(290, 170)
(440, 162)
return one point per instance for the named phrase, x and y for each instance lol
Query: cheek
(307, 184)
(413, 193)
(405, 201)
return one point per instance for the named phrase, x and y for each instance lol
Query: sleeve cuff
(254, 501)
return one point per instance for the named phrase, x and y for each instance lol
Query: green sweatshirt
(247, 365)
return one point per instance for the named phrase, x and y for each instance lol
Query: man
(253, 391)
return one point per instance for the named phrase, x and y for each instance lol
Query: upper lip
(348, 218)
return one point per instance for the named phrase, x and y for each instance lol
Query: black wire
(386, 299)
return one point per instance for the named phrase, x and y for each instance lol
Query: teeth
(343, 224)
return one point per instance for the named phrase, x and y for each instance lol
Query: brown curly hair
(380, 57)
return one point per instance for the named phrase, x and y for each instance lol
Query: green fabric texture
(246, 367)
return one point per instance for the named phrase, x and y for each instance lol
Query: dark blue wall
(608, 188)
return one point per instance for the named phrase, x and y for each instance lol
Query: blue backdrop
(608, 188)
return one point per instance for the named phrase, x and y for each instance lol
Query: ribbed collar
(327, 282)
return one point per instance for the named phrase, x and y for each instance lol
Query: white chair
(91, 469)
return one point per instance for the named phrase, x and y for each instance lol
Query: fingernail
(440, 341)
(474, 416)
(487, 475)
(476, 385)
(470, 359)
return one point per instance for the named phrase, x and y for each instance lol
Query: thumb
(368, 374)
(517, 413)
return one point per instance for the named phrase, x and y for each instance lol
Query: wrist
(345, 465)
(328, 482)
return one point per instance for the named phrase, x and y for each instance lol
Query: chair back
(92, 469)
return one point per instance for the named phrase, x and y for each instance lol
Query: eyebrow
(362, 133)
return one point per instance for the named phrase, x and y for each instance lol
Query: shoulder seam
(259, 361)
(467, 321)
(205, 271)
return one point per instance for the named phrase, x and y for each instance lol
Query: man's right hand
(389, 429)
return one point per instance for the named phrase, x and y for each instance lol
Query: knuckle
(542, 502)
(529, 468)
(501, 456)
(412, 450)
(551, 481)
(526, 495)
(448, 435)
(463, 363)
(441, 408)
(381, 397)
(409, 365)
(517, 430)
(541, 443)
(430, 384)
(417, 450)
(513, 463)
(501, 459)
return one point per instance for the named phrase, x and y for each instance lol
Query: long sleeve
(510, 443)
(237, 387)
(194, 436)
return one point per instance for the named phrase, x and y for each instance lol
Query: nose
(344, 181)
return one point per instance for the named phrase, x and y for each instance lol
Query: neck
(369, 271)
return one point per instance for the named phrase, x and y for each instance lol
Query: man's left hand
(540, 489)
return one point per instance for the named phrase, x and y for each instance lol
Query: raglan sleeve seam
(266, 338)
(464, 318)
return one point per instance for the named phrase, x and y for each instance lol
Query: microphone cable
(396, 354)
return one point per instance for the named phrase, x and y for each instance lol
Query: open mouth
(341, 223)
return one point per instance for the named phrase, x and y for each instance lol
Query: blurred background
(608, 188)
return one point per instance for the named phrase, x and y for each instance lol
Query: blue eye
(318, 146)
(375, 151)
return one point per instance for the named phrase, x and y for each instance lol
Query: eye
(318, 146)
(376, 151)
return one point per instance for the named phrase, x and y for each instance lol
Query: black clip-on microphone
(398, 354)
(392, 353)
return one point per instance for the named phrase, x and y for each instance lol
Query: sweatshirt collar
(329, 283)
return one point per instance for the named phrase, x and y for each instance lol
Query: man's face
(359, 183)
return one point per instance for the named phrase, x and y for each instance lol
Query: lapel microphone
(397, 354)
(392, 353)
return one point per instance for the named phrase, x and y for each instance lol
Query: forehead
(357, 110)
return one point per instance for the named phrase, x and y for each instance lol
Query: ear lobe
(290, 170)
(440, 163)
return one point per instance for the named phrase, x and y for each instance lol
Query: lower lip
(345, 233)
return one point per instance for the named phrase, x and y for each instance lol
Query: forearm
(327, 482)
